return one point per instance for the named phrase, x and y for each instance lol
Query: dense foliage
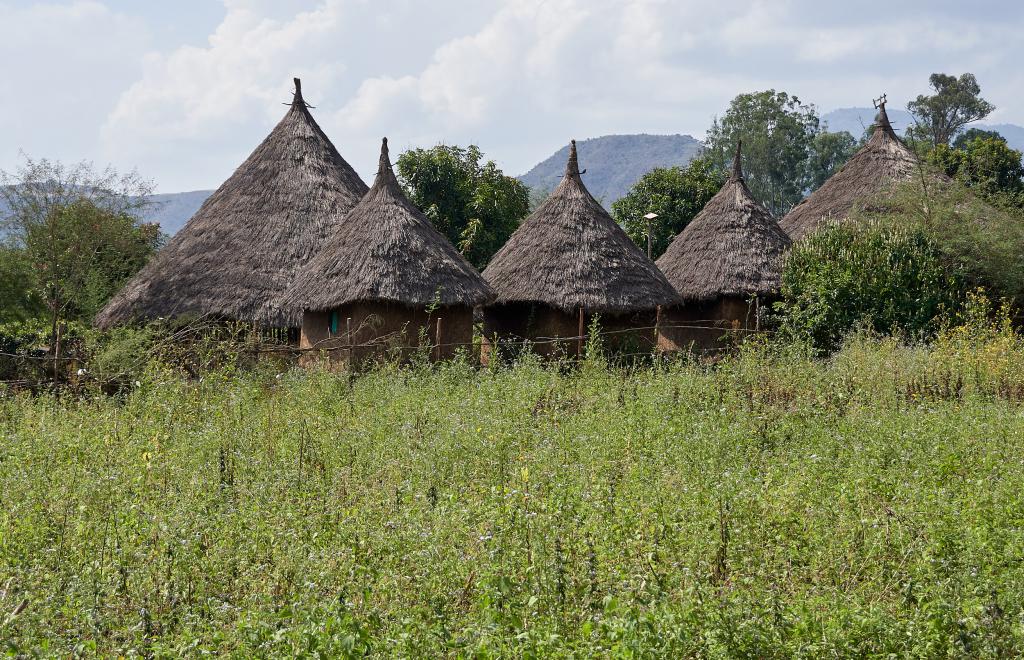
(882, 276)
(770, 506)
(676, 194)
(72, 238)
(955, 103)
(473, 203)
(786, 151)
(985, 164)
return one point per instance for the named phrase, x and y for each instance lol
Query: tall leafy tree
(956, 102)
(829, 151)
(471, 202)
(675, 194)
(781, 158)
(79, 233)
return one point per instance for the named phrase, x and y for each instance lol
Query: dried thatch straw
(239, 253)
(570, 254)
(879, 163)
(733, 247)
(386, 250)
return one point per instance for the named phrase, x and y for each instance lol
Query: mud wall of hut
(371, 330)
(554, 332)
(707, 325)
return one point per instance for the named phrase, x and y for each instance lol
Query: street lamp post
(649, 218)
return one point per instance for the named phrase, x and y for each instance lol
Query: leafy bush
(876, 275)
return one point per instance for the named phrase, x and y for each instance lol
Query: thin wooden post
(437, 340)
(579, 335)
(657, 328)
(348, 333)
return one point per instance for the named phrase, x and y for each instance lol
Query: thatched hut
(885, 159)
(566, 263)
(725, 265)
(238, 254)
(387, 280)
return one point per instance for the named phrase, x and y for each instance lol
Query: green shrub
(881, 276)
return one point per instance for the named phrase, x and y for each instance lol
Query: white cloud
(520, 77)
(65, 64)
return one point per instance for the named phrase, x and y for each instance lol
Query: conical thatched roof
(387, 250)
(883, 160)
(238, 254)
(733, 247)
(570, 253)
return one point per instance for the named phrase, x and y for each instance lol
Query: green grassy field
(767, 506)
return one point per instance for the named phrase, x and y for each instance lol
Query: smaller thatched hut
(883, 160)
(387, 281)
(565, 264)
(724, 265)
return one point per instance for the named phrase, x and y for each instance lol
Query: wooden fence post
(579, 335)
(437, 340)
(348, 333)
(657, 328)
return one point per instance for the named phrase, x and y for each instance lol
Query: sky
(183, 91)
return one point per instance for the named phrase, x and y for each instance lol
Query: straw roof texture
(238, 254)
(883, 160)
(733, 247)
(570, 253)
(386, 250)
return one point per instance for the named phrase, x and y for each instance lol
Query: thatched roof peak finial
(297, 98)
(384, 169)
(737, 162)
(882, 119)
(572, 166)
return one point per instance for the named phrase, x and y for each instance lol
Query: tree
(18, 299)
(883, 276)
(778, 139)
(676, 194)
(966, 137)
(78, 231)
(475, 205)
(955, 103)
(986, 165)
(829, 151)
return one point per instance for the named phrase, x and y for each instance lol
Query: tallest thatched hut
(566, 263)
(884, 160)
(238, 254)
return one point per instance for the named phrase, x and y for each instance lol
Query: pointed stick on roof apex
(737, 163)
(572, 166)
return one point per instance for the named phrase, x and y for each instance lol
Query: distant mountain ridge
(172, 210)
(855, 120)
(614, 162)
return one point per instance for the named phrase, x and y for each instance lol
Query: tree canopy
(676, 194)
(985, 164)
(473, 203)
(73, 238)
(786, 151)
(955, 103)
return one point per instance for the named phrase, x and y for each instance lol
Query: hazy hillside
(614, 162)
(855, 120)
(172, 210)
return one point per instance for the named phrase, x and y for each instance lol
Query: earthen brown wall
(553, 332)
(386, 329)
